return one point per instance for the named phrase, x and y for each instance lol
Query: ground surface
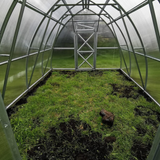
(61, 119)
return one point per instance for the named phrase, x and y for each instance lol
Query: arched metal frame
(84, 4)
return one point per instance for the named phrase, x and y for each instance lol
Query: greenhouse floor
(60, 119)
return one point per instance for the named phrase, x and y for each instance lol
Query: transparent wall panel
(39, 35)
(112, 11)
(42, 5)
(5, 152)
(2, 75)
(29, 23)
(153, 86)
(7, 39)
(133, 35)
(134, 69)
(108, 58)
(3, 59)
(46, 61)
(4, 6)
(38, 68)
(16, 83)
(8, 146)
(59, 12)
(145, 27)
(130, 3)
(63, 59)
(125, 61)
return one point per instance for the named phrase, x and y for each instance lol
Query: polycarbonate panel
(42, 5)
(38, 38)
(63, 59)
(95, 8)
(153, 86)
(134, 68)
(4, 6)
(133, 35)
(99, 1)
(119, 35)
(129, 4)
(108, 58)
(76, 9)
(114, 13)
(125, 56)
(123, 29)
(145, 27)
(29, 23)
(38, 69)
(2, 76)
(105, 19)
(46, 61)
(5, 152)
(16, 83)
(7, 39)
(59, 12)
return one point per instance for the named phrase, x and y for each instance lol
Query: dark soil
(68, 73)
(95, 73)
(124, 91)
(140, 150)
(72, 140)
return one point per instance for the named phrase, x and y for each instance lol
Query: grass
(83, 95)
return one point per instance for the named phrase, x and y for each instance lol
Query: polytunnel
(37, 37)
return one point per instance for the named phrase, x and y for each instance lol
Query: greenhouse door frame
(92, 31)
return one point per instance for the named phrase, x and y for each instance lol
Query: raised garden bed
(60, 119)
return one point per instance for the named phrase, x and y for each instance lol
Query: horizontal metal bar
(34, 48)
(141, 54)
(141, 88)
(63, 48)
(84, 21)
(22, 57)
(107, 47)
(82, 25)
(85, 51)
(4, 55)
(26, 91)
(138, 48)
(91, 4)
(60, 69)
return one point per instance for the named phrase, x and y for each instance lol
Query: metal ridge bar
(91, 4)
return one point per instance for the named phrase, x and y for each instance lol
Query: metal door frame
(87, 29)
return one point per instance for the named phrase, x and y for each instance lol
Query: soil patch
(124, 91)
(140, 150)
(68, 73)
(72, 140)
(95, 73)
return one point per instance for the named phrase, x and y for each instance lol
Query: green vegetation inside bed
(61, 119)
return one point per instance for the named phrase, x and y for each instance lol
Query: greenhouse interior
(64, 62)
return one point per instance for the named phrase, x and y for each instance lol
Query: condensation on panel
(16, 83)
(29, 23)
(9, 31)
(145, 27)
(4, 6)
(153, 86)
